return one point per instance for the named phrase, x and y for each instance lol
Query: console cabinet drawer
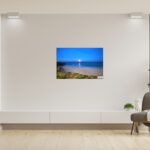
(24, 117)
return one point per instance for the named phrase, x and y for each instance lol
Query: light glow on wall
(13, 15)
(14, 19)
(15, 23)
(136, 16)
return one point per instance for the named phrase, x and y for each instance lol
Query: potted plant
(128, 106)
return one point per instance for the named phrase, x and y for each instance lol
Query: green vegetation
(128, 106)
(71, 75)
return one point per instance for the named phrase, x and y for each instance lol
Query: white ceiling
(75, 6)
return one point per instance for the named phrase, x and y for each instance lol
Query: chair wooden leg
(132, 128)
(137, 128)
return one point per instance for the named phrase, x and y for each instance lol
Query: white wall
(0, 63)
(29, 56)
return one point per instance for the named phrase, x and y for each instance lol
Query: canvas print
(79, 63)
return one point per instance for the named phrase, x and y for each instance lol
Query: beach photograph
(79, 63)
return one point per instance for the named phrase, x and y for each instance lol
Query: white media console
(46, 117)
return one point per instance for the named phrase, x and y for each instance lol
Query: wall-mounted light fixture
(13, 15)
(136, 16)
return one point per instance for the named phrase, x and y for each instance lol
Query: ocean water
(84, 64)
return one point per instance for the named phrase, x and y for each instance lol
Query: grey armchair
(141, 117)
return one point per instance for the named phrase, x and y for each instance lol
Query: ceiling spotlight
(13, 15)
(136, 15)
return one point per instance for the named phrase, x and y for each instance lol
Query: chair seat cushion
(139, 117)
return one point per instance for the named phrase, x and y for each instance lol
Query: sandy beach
(84, 70)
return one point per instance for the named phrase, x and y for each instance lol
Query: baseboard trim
(66, 126)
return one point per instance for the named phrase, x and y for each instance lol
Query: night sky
(82, 54)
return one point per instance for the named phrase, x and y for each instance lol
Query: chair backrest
(146, 101)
